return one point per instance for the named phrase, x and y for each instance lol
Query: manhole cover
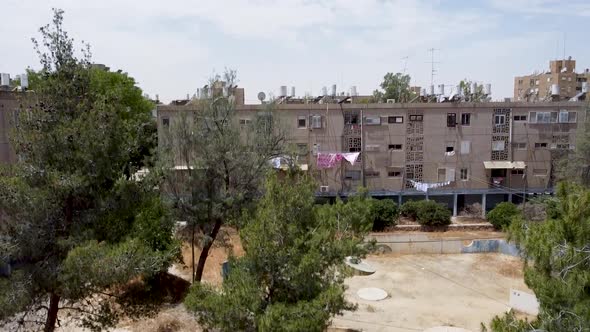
(372, 294)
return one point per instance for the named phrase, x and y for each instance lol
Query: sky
(172, 47)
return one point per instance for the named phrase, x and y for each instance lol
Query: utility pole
(363, 149)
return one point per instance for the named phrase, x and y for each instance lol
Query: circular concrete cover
(359, 265)
(446, 329)
(372, 294)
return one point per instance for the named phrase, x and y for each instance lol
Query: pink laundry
(329, 160)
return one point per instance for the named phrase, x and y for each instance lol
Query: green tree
(474, 96)
(557, 265)
(76, 225)
(395, 86)
(502, 214)
(574, 165)
(215, 166)
(291, 276)
(384, 213)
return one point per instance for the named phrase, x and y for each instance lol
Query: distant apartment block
(461, 152)
(561, 82)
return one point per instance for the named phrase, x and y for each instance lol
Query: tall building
(457, 153)
(561, 82)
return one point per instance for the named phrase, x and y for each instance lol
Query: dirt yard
(460, 290)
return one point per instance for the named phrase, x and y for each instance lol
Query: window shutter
(465, 147)
(450, 174)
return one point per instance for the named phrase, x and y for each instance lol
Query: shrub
(410, 209)
(502, 215)
(431, 213)
(384, 213)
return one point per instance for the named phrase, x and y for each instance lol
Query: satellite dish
(261, 96)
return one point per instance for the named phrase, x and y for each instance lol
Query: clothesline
(421, 186)
(329, 160)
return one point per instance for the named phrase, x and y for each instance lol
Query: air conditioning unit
(316, 122)
(324, 189)
(391, 101)
(372, 147)
(553, 146)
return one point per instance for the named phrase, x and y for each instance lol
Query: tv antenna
(405, 63)
(261, 96)
(432, 62)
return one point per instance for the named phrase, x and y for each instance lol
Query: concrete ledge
(453, 227)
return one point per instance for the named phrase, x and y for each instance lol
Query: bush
(431, 213)
(410, 209)
(502, 215)
(384, 213)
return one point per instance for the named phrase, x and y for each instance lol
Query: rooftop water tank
(441, 89)
(5, 79)
(585, 87)
(473, 88)
(293, 91)
(24, 80)
(554, 89)
(459, 91)
(431, 90)
(333, 89)
(324, 91)
(423, 92)
(283, 91)
(353, 91)
(487, 89)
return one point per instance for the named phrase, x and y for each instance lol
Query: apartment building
(561, 82)
(456, 153)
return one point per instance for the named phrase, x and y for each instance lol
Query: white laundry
(421, 186)
(351, 157)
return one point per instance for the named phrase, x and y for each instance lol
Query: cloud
(545, 7)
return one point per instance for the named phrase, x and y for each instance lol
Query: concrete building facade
(562, 73)
(489, 152)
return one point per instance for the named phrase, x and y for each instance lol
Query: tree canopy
(557, 268)
(291, 276)
(77, 224)
(394, 86)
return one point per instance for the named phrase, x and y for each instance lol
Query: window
(315, 149)
(351, 118)
(539, 172)
(517, 172)
(372, 120)
(567, 117)
(316, 122)
(371, 174)
(451, 119)
(569, 79)
(465, 147)
(498, 145)
(395, 119)
(466, 119)
(166, 122)
(417, 118)
(540, 145)
(301, 149)
(245, 121)
(543, 117)
(394, 172)
(519, 118)
(450, 147)
(548, 79)
(499, 119)
(563, 78)
(563, 146)
(519, 145)
(464, 174)
(302, 122)
(395, 147)
(352, 175)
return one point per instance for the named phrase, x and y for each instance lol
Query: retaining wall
(427, 244)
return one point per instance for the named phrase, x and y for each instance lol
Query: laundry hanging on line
(421, 186)
(329, 160)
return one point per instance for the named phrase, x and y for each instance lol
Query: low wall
(426, 244)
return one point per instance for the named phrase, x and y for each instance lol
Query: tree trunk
(205, 251)
(193, 250)
(52, 313)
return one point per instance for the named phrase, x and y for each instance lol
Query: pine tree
(291, 276)
(78, 224)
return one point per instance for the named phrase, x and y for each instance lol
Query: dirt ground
(460, 290)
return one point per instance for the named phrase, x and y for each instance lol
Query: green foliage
(384, 213)
(395, 86)
(291, 276)
(410, 209)
(76, 223)
(574, 165)
(557, 265)
(474, 96)
(225, 164)
(509, 323)
(431, 213)
(501, 216)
